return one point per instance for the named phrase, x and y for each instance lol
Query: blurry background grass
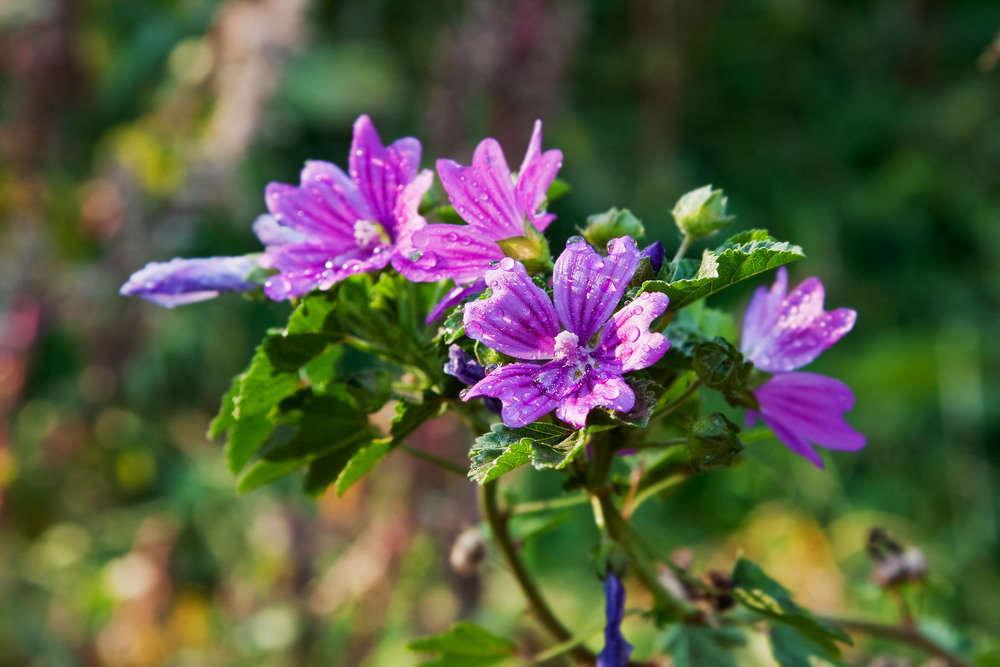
(866, 132)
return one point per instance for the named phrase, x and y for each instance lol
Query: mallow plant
(587, 359)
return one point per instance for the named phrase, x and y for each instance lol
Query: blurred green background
(867, 132)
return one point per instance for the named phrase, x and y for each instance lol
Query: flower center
(577, 357)
(368, 233)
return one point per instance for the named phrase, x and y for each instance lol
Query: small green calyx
(701, 212)
(612, 224)
(714, 442)
(720, 366)
(532, 249)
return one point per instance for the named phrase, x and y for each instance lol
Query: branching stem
(497, 520)
(902, 634)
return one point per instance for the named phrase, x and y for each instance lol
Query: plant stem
(911, 636)
(497, 520)
(545, 505)
(681, 251)
(679, 401)
(653, 490)
(436, 460)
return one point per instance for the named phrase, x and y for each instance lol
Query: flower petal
(597, 390)
(517, 319)
(783, 333)
(270, 232)
(535, 176)
(408, 221)
(803, 408)
(458, 252)
(381, 173)
(588, 287)
(483, 194)
(455, 296)
(517, 387)
(326, 204)
(313, 265)
(626, 343)
(183, 281)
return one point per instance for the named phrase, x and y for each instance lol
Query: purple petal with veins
(586, 287)
(517, 319)
(804, 409)
(782, 333)
(516, 387)
(626, 343)
(455, 296)
(603, 390)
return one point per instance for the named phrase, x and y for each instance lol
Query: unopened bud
(701, 212)
(467, 553)
(612, 224)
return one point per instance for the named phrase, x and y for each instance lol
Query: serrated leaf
(410, 415)
(769, 599)
(319, 424)
(646, 392)
(741, 257)
(702, 646)
(316, 313)
(225, 419)
(465, 644)
(791, 648)
(543, 445)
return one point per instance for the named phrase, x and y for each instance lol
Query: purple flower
(616, 651)
(182, 281)
(782, 333)
(493, 202)
(565, 369)
(333, 225)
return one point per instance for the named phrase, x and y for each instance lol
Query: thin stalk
(679, 401)
(436, 460)
(651, 491)
(497, 520)
(545, 505)
(901, 634)
(681, 251)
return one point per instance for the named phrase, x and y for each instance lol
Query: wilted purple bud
(616, 651)
(656, 254)
(468, 371)
(182, 281)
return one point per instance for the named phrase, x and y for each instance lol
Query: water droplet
(611, 392)
(574, 239)
(637, 311)
(632, 334)
(329, 264)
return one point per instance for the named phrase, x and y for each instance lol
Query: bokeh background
(867, 132)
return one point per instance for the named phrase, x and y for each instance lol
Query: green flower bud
(701, 212)
(714, 442)
(612, 224)
(532, 249)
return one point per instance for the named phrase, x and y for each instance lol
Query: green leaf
(362, 462)
(559, 188)
(791, 648)
(264, 472)
(410, 416)
(465, 644)
(448, 215)
(541, 444)
(768, 599)
(323, 471)
(702, 646)
(316, 313)
(317, 424)
(225, 419)
(741, 257)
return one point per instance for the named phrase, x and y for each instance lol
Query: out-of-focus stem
(436, 460)
(497, 520)
(902, 634)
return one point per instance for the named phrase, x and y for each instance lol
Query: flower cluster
(570, 350)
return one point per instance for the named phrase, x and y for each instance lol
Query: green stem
(655, 489)
(620, 532)
(679, 401)
(436, 460)
(681, 251)
(904, 635)
(497, 520)
(545, 505)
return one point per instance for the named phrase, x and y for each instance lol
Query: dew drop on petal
(574, 239)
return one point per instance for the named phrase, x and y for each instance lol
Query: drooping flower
(333, 225)
(182, 281)
(493, 202)
(781, 333)
(616, 651)
(567, 366)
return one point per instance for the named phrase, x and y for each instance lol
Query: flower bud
(714, 442)
(603, 227)
(701, 212)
